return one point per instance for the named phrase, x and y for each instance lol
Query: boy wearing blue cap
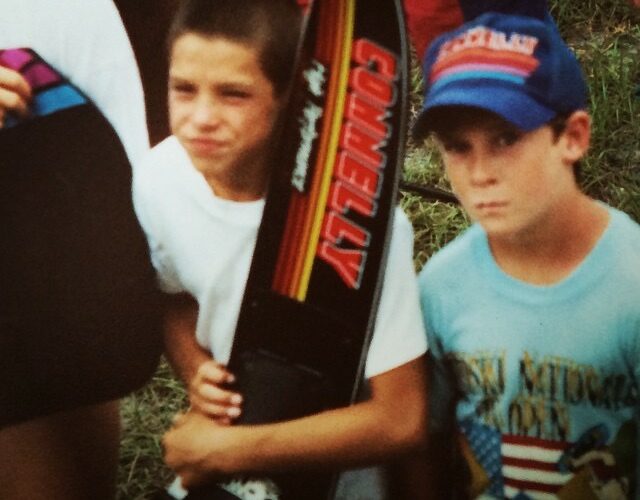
(536, 307)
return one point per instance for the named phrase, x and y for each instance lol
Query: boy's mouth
(205, 144)
(490, 205)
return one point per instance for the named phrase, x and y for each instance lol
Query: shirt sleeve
(399, 335)
(148, 210)
(101, 61)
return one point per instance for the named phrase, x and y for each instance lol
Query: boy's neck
(238, 186)
(236, 191)
(548, 254)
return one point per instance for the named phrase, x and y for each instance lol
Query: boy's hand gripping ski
(310, 303)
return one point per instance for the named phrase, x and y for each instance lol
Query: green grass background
(606, 38)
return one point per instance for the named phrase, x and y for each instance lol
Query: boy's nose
(205, 113)
(481, 169)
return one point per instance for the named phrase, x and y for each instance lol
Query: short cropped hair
(271, 26)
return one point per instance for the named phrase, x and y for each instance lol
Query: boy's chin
(501, 229)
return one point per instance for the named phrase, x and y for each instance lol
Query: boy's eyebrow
(447, 136)
(232, 84)
(235, 85)
(177, 78)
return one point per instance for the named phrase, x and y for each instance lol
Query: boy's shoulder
(627, 228)
(455, 258)
(164, 177)
(162, 164)
(625, 240)
(165, 152)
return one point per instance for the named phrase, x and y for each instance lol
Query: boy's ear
(576, 136)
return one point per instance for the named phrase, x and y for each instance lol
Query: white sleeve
(86, 41)
(399, 334)
(99, 58)
(148, 204)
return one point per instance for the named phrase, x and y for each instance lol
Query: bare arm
(203, 376)
(391, 422)
(182, 350)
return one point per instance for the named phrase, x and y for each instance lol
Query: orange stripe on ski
(330, 42)
(323, 149)
(310, 204)
(290, 244)
(343, 56)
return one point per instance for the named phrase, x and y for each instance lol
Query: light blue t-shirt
(550, 374)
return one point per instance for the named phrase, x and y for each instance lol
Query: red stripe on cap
(487, 56)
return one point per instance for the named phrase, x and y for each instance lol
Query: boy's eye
(182, 88)
(236, 94)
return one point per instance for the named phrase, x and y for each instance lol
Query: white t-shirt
(84, 40)
(203, 245)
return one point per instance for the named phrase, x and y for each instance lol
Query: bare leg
(71, 455)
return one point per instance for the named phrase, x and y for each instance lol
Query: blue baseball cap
(517, 67)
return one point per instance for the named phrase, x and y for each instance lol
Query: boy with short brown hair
(200, 196)
(537, 306)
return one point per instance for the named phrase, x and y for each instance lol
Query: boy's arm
(181, 349)
(204, 377)
(391, 422)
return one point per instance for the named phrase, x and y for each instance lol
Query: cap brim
(512, 105)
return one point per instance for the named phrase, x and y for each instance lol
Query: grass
(146, 415)
(606, 38)
(605, 35)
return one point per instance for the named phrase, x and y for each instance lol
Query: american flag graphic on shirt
(530, 466)
(517, 466)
